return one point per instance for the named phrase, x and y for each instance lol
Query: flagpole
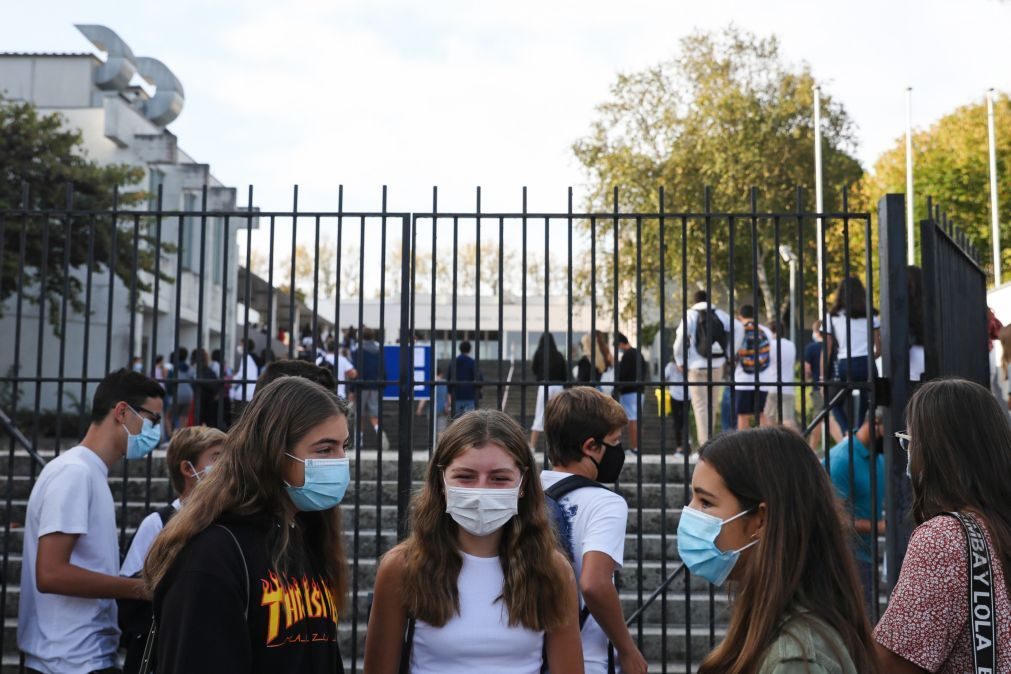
(910, 199)
(994, 204)
(819, 200)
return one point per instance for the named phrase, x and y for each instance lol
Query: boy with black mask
(583, 428)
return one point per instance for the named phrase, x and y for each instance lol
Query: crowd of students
(506, 569)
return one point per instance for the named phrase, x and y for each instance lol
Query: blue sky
(464, 93)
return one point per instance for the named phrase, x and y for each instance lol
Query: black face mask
(611, 463)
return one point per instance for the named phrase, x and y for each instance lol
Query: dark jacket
(201, 606)
(462, 375)
(631, 370)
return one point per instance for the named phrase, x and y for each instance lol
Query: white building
(123, 123)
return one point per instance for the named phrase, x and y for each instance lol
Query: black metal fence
(144, 283)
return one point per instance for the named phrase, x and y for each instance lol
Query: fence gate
(90, 291)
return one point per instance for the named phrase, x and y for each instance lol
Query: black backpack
(563, 531)
(710, 332)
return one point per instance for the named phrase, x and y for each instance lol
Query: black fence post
(895, 369)
(405, 453)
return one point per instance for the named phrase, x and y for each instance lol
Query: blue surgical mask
(140, 445)
(697, 534)
(326, 480)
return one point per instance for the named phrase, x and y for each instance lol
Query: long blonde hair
(534, 587)
(247, 480)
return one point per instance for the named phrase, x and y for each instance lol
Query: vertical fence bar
(895, 359)
(381, 393)
(405, 459)
(67, 238)
(640, 377)
(686, 482)
(661, 280)
(291, 289)
(523, 317)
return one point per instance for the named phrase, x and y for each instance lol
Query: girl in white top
(479, 585)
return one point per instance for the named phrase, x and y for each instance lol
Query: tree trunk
(771, 310)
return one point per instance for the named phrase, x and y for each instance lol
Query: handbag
(982, 613)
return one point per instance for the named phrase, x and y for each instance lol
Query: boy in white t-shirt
(583, 429)
(70, 568)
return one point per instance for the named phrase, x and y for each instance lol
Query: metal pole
(994, 208)
(910, 201)
(819, 200)
(793, 303)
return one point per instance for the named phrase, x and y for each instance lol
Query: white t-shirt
(70, 635)
(674, 378)
(786, 361)
(854, 343)
(745, 381)
(247, 370)
(478, 639)
(143, 539)
(343, 366)
(597, 519)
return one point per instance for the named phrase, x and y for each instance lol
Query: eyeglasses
(154, 418)
(904, 440)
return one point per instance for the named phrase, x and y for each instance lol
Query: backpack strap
(146, 666)
(245, 565)
(570, 484)
(982, 613)
(165, 513)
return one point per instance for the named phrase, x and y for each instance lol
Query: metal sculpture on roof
(116, 73)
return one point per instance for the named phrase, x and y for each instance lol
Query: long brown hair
(533, 591)
(247, 480)
(802, 561)
(960, 458)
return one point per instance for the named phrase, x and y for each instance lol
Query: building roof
(15, 54)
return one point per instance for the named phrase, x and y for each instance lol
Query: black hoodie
(200, 608)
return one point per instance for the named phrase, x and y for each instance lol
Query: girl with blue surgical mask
(479, 585)
(763, 517)
(250, 576)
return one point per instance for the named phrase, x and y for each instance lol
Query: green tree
(727, 113)
(39, 152)
(951, 165)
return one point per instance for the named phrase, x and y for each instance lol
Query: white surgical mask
(199, 474)
(482, 511)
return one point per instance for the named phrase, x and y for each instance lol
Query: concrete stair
(667, 627)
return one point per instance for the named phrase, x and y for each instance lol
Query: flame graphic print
(298, 599)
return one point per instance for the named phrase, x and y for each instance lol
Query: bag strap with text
(982, 614)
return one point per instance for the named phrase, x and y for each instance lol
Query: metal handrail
(19, 437)
(825, 410)
(656, 593)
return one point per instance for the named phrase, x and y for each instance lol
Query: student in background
(250, 577)
(847, 329)
(674, 379)
(813, 362)
(708, 333)
(479, 585)
(754, 364)
(764, 517)
(190, 457)
(583, 429)
(957, 442)
(548, 365)
(858, 493)
(70, 567)
(784, 354)
(631, 370)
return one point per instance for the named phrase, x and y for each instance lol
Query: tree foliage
(726, 113)
(951, 165)
(40, 161)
